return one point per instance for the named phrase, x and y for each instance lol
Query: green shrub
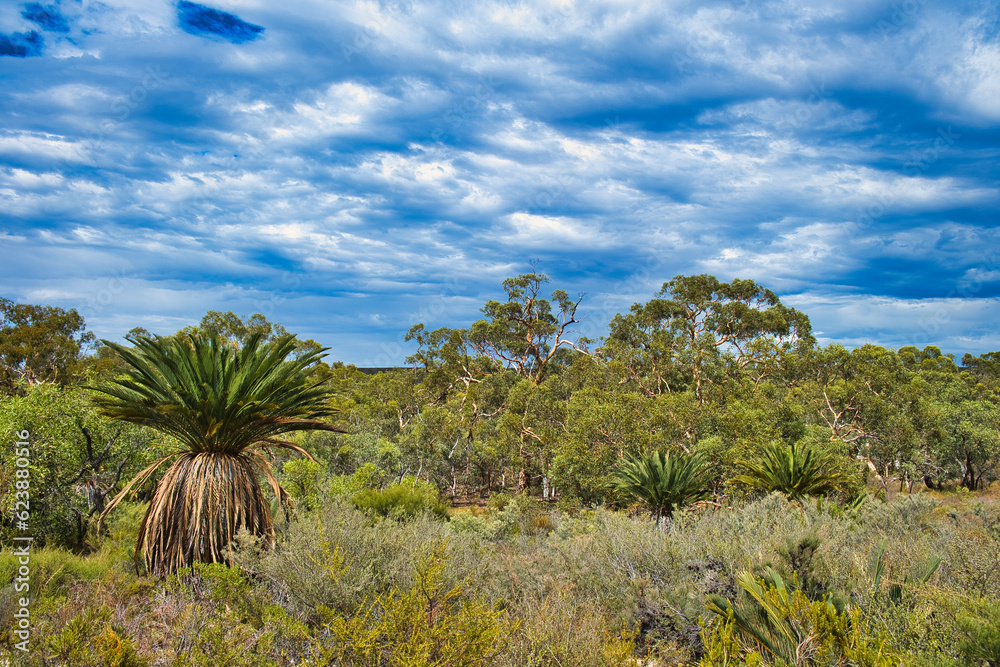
(664, 481)
(401, 501)
(978, 622)
(368, 556)
(519, 515)
(368, 476)
(775, 624)
(469, 523)
(796, 470)
(220, 617)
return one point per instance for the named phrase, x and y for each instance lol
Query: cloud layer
(350, 169)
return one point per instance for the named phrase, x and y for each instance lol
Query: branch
(91, 462)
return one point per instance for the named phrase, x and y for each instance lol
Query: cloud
(205, 21)
(47, 17)
(21, 44)
(953, 324)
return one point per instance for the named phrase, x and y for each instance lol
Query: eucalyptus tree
(522, 333)
(883, 410)
(40, 344)
(972, 442)
(499, 366)
(699, 329)
(220, 407)
(77, 459)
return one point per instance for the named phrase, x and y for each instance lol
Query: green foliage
(404, 500)
(972, 439)
(302, 478)
(368, 476)
(522, 334)
(466, 522)
(794, 470)
(75, 457)
(503, 412)
(599, 589)
(40, 344)
(236, 331)
(601, 426)
(703, 325)
(517, 514)
(978, 622)
(781, 625)
(664, 482)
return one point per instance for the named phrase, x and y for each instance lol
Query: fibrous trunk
(203, 500)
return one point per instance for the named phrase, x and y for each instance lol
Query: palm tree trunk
(203, 500)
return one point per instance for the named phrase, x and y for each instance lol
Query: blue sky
(352, 168)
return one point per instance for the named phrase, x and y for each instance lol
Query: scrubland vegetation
(522, 583)
(704, 485)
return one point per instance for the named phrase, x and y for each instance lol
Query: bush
(401, 501)
(431, 623)
(774, 623)
(469, 523)
(368, 476)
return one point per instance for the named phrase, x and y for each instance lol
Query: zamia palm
(664, 482)
(796, 470)
(224, 407)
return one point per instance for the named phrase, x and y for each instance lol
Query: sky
(349, 169)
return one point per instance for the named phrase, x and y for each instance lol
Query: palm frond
(795, 470)
(664, 482)
(764, 615)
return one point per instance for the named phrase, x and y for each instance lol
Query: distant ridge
(372, 370)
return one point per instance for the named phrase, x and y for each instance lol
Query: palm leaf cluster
(768, 618)
(224, 407)
(664, 482)
(795, 470)
(783, 626)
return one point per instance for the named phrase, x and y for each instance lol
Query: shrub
(777, 624)
(404, 500)
(664, 482)
(430, 623)
(469, 523)
(368, 476)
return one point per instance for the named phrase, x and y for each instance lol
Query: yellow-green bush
(430, 624)
(403, 500)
